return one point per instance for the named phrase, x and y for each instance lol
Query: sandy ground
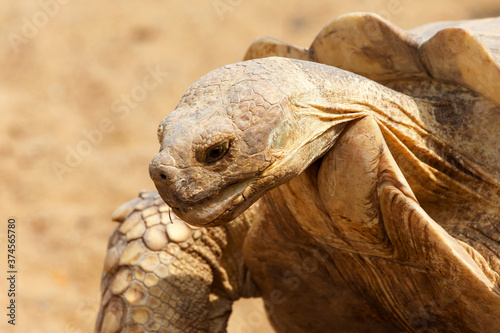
(74, 145)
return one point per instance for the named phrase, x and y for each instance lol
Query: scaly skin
(162, 276)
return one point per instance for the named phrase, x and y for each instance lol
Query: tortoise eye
(216, 152)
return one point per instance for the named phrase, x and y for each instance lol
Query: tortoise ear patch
(281, 135)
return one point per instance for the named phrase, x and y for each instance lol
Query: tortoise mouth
(219, 209)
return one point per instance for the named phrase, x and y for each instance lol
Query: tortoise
(361, 177)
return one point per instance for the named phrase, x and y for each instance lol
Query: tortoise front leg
(162, 276)
(412, 272)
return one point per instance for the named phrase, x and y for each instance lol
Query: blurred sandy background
(67, 66)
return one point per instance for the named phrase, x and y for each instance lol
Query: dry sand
(67, 67)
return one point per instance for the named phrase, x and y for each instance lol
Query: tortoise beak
(214, 208)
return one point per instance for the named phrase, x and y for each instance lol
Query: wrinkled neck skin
(325, 99)
(307, 106)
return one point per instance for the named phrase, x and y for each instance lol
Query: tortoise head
(233, 136)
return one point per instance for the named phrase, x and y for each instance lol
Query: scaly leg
(162, 276)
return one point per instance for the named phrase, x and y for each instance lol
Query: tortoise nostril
(163, 176)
